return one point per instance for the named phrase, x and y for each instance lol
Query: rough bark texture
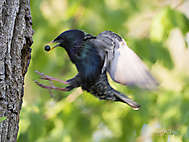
(15, 41)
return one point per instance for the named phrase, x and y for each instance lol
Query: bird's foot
(46, 77)
(52, 87)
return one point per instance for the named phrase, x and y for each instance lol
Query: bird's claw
(52, 87)
(46, 77)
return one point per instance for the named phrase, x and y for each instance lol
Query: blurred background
(158, 31)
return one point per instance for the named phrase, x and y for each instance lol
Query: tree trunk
(15, 41)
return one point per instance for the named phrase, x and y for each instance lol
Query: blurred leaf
(2, 119)
(166, 20)
(37, 127)
(152, 51)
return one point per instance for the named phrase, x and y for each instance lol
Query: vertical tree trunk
(15, 41)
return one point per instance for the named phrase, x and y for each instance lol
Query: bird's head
(67, 39)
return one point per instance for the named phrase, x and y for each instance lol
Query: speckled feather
(102, 90)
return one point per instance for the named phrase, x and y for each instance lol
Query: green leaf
(152, 51)
(165, 21)
(3, 118)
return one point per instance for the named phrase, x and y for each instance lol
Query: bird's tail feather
(127, 100)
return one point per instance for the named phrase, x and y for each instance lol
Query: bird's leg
(46, 77)
(73, 83)
(50, 87)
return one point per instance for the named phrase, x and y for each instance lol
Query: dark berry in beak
(47, 48)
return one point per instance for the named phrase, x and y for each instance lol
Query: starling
(95, 56)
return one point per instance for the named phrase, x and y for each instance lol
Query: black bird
(94, 56)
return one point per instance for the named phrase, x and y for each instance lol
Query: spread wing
(123, 65)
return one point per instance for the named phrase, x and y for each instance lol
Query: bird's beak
(54, 45)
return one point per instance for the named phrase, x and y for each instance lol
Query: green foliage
(152, 52)
(66, 117)
(165, 21)
(2, 119)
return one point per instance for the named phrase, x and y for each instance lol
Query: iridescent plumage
(94, 56)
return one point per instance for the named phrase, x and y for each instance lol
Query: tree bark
(15, 41)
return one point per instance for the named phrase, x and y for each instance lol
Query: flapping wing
(123, 65)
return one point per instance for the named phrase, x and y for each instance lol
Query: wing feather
(126, 67)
